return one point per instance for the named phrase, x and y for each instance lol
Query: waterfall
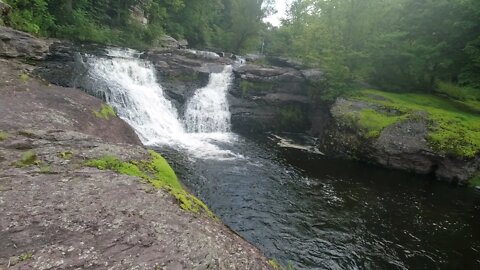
(130, 85)
(207, 111)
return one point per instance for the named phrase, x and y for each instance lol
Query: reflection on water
(321, 213)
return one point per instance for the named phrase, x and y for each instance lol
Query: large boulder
(169, 42)
(269, 98)
(402, 145)
(16, 44)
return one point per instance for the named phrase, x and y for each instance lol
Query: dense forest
(400, 45)
(229, 24)
(396, 45)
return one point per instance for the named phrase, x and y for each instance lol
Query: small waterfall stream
(207, 111)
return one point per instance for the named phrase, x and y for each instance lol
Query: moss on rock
(105, 112)
(247, 86)
(3, 136)
(158, 173)
(452, 128)
(27, 159)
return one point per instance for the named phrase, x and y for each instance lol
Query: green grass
(158, 173)
(467, 96)
(105, 112)
(3, 136)
(452, 127)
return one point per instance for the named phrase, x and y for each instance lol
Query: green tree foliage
(239, 27)
(226, 24)
(393, 44)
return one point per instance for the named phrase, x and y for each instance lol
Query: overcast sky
(281, 6)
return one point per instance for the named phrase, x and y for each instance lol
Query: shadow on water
(322, 213)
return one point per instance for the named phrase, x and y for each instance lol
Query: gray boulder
(16, 44)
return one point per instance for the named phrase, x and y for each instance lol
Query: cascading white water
(207, 111)
(130, 85)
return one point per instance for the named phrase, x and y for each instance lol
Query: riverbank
(423, 133)
(59, 210)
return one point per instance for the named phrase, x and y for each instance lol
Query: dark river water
(315, 212)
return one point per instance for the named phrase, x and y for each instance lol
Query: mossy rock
(105, 112)
(158, 173)
(452, 128)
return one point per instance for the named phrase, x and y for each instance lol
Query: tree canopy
(227, 24)
(393, 44)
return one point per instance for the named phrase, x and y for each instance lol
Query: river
(298, 206)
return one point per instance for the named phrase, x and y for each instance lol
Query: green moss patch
(67, 155)
(24, 77)
(373, 122)
(452, 127)
(276, 266)
(25, 256)
(247, 86)
(158, 173)
(27, 159)
(3, 136)
(105, 112)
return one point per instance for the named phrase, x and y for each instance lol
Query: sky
(281, 7)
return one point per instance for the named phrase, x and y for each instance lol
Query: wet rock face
(14, 44)
(402, 145)
(270, 98)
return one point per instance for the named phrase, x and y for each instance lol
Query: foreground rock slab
(59, 214)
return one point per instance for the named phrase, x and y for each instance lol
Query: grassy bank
(453, 127)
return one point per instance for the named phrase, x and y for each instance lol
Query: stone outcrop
(14, 43)
(402, 145)
(270, 98)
